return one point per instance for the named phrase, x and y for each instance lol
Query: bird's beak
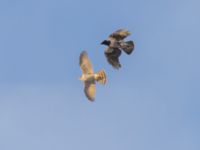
(102, 43)
(105, 42)
(80, 79)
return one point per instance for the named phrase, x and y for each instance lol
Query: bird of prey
(89, 77)
(116, 43)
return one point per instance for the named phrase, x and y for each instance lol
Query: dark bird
(89, 77)
(116, 43)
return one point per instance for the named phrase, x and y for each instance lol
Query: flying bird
(116, 43)
(89, 77)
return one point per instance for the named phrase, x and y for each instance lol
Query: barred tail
(100, 77)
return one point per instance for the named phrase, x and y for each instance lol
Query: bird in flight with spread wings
(89, 77)
(116, 43)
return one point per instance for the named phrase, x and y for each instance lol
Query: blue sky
(151, 103)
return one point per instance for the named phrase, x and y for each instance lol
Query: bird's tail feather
(100, 77)
(127, 47)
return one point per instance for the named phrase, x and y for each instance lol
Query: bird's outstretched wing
(113, 57)
(90, 90)
(85, 63)
(120, 34)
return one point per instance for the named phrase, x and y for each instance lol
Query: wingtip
(83, 52)
(81, 55)
(117, 67)
(91, 99)
(125, 30)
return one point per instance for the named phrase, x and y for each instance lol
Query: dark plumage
(116, 43)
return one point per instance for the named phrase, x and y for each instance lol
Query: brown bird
(89, 77)
(116, 43)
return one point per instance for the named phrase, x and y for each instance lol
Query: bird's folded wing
(120, 34)
(85, 63)
(90, 90)
(113, 57)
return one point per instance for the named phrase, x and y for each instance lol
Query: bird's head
(81, 78)
(105, 42)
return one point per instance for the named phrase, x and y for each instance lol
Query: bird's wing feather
(120, 34)
(85, 63)
(113, 57)
(90, 90)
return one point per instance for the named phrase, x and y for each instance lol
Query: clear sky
(151, 103)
